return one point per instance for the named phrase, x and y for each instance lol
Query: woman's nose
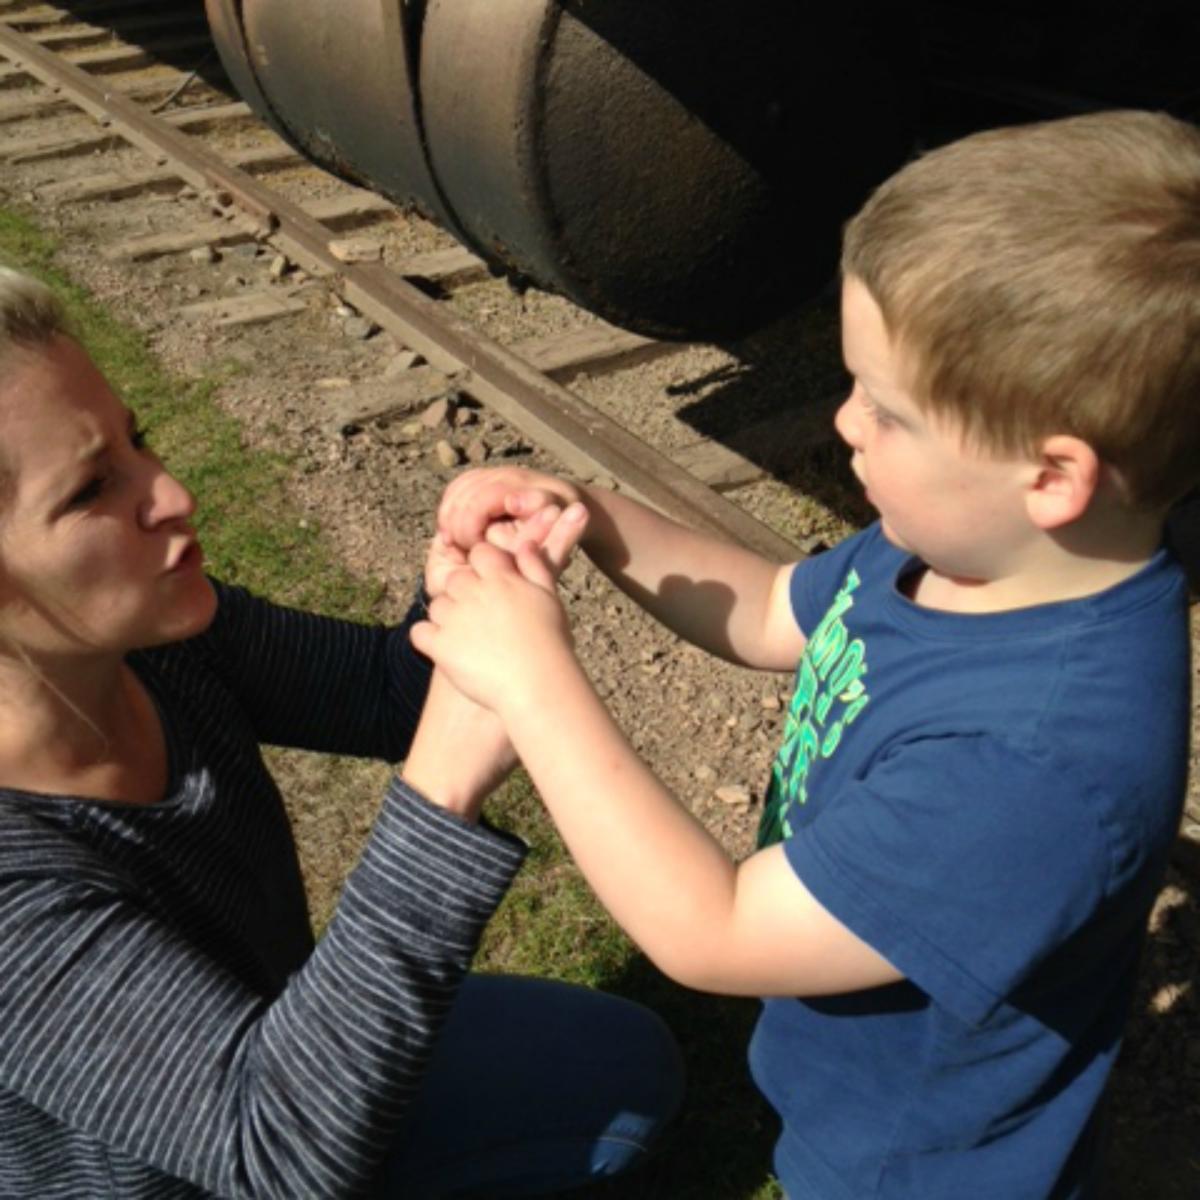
(168, 500)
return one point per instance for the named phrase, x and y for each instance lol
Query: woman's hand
(497, 503)
(460, 753)
(446, 556)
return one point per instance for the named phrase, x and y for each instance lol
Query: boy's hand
(498, 630)
(496, 503)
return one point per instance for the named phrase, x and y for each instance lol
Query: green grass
(550, 924)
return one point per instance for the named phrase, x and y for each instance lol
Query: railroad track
(84, 82)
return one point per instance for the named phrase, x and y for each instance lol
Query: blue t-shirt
(988, 801)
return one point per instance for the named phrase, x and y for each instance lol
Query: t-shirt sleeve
(815, 581)
(961, 860)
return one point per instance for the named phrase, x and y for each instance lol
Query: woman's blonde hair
(31, 315)
(1045, 279)
(30, 312)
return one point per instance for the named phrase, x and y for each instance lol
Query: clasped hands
(496, 626)
(496, 630)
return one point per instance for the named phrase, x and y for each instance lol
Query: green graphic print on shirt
(829, 696)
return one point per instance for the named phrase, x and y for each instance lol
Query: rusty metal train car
(681, 167)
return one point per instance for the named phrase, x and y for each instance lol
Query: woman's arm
(123, 1025)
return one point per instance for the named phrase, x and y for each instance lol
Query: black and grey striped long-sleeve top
(167, 1028)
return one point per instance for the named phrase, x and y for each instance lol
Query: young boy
(984, 763)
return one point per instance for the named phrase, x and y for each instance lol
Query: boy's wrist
(532, 697)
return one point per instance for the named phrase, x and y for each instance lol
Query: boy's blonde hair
(1045, 279)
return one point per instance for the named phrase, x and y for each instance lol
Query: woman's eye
(86, 494)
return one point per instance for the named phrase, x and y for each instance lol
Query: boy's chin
(893, 537)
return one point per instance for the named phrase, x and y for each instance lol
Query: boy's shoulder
(817, 580)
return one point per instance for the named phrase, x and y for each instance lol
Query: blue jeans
(535, 1086)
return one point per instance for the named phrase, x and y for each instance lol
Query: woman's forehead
(55, 408)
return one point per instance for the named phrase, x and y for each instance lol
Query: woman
(169, 1028)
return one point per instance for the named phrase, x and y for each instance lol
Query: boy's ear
(1068, 474)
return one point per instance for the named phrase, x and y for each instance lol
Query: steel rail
(583, 438)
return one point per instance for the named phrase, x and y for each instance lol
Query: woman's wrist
(460, 752)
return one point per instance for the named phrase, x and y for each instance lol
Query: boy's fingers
(423, 635)
(563, 536)
(488, 560)
(533, 529)
(531, 562)
(524, 503)
(502, 533)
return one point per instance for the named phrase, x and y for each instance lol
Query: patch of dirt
(709, 730)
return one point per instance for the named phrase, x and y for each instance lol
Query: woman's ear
(1068, 472)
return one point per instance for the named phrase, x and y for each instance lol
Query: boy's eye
(880, 416)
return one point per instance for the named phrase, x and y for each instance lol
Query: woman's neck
(91, 732)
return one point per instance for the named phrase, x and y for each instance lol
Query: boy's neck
(1082, 560)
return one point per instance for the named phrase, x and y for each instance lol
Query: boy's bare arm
(719, 596)
(751, 929)
(748, 929)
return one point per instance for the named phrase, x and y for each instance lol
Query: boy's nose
(848, 421)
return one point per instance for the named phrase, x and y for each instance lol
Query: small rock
(477, 451)
(404, 361)
(244, 250)
(360, 328)
(446, 454)
(736, 795)
(437, 413)
(731, 722)
(279, 266)
(187, 192)
(356, 250)
(771, 702)
(204, 254)
(465, 416)
(334, 383)
(704, 773)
